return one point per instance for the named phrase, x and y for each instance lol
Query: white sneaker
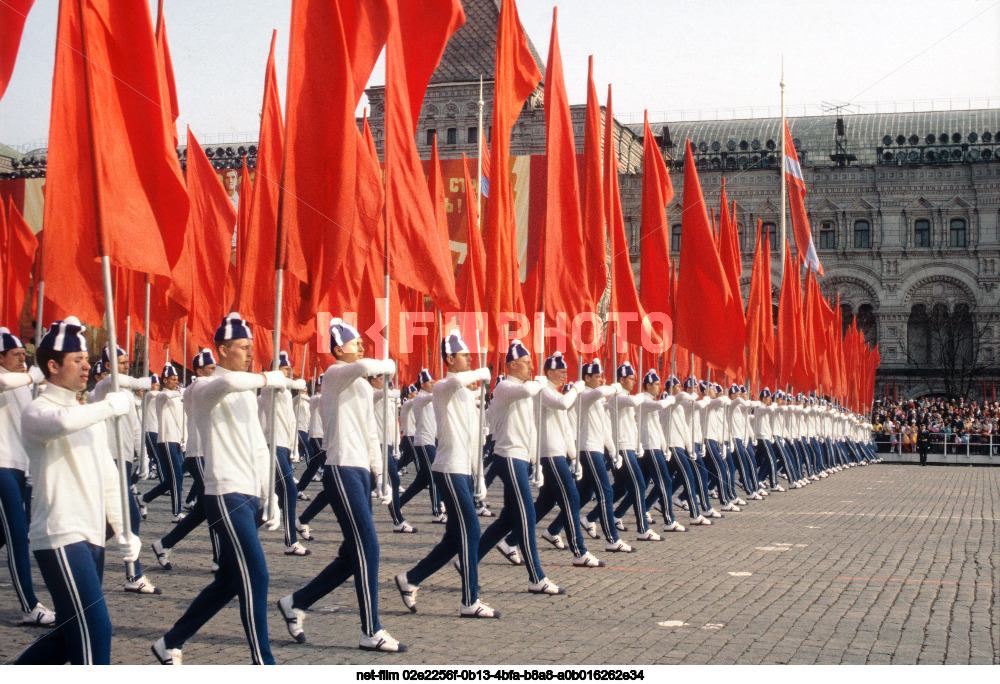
(215, 567)
(777, 488)
(141, 586)
(546, 586)
(739, 502)
(756, 496)
(188, 507)
(166, 656)
(297, 549)
(555, 540)
(712, 513)
(590, 528)
(731, 507)
(684, 505)
(161, 555)
(485, 512)
(763, 491)
(588, 560)
(617, 547)
(674, 527)
(649, 518)
(293, 618)
(440, 519)
(407, 592)
(814, 478)
(39, 616)
(509, 552)
(177, 518)
(701, 520)
(303, 530)
(479, 610)
(381, 641)
(648, 535)
(302, 496)
(620, 526)
(404, 528)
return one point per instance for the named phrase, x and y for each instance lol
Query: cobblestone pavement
(881, 564)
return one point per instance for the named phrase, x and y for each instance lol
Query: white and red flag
(804, 245)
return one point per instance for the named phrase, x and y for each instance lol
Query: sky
(679, 59)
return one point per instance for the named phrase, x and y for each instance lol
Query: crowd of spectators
(964, 426)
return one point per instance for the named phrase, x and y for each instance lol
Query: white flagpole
(144, 457)
(784, 185)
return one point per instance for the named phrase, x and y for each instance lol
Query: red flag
(20, 252)
(168, 92)
(471, 281)
(796, 203)
(594, 232)
(419, 249)
(211, 219)
(657, 192)
(624, 297)
(758, 308)
(704, 299)
(242, 224)
(257, 277)
(333, 48)
(729, 254)
(12, 16)
(786, 347)
(113, 171)
(562, 241)
(516, 76)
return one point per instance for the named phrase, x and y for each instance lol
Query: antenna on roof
(840, 155)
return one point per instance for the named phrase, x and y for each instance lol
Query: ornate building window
(675, 238)
(452, 136)
(862, 234)
(921, 233)
(827, 235)
(918, 335)
(471, 135)
(957, 235)
(431, 134)
(772, 230)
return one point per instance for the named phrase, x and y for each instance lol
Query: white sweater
(514, 418)
(129, 424)
(650, 429)
(422, 413)
(457, 418)
(393, 416)
(625, 405)
(348, 412)
(75, 480)
(680, 416)
(301, 402)
(315, 417)
(595, 434)
(558, 437)
(284, 414)
(714, 419)
(232, 443)
(407, 422)
(152, 420)
(192, 449)
(15, 394)
(170, 416)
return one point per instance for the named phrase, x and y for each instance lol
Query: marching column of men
(662, 443)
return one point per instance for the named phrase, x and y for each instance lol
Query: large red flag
(562, 240)
(653, 248)
(796, 203)
(20, 253)
(113, 170)
(12, 16)
(767, 361)
(594, 231)
(624, 300)
(4, 272)
(515, 77)
(168, 86)
(757, 303)
(703, 295)
(729, 254)
(333, 48)
(211, 219)
(419, 249)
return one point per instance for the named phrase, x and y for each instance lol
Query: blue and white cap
(650, 377)
(500, 378)
(702, 386)
(555, 362)
(425, 376)
(168, 371)
(593, 368)
(319, 380)
(718, 388)
(624, 370)
(341, 333)
(779, 394)
(203, 358)
(284, 360)
(765, 393)
(800, 397)
(411, 389)
(515, 351)
(672, 382)
(9, 341)
(734, 389)
(233, 328)
(65, 336)
(690, 383)
(743, 389)
(154, 378)
(99, 369)
(104, 354)
(453, 343)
